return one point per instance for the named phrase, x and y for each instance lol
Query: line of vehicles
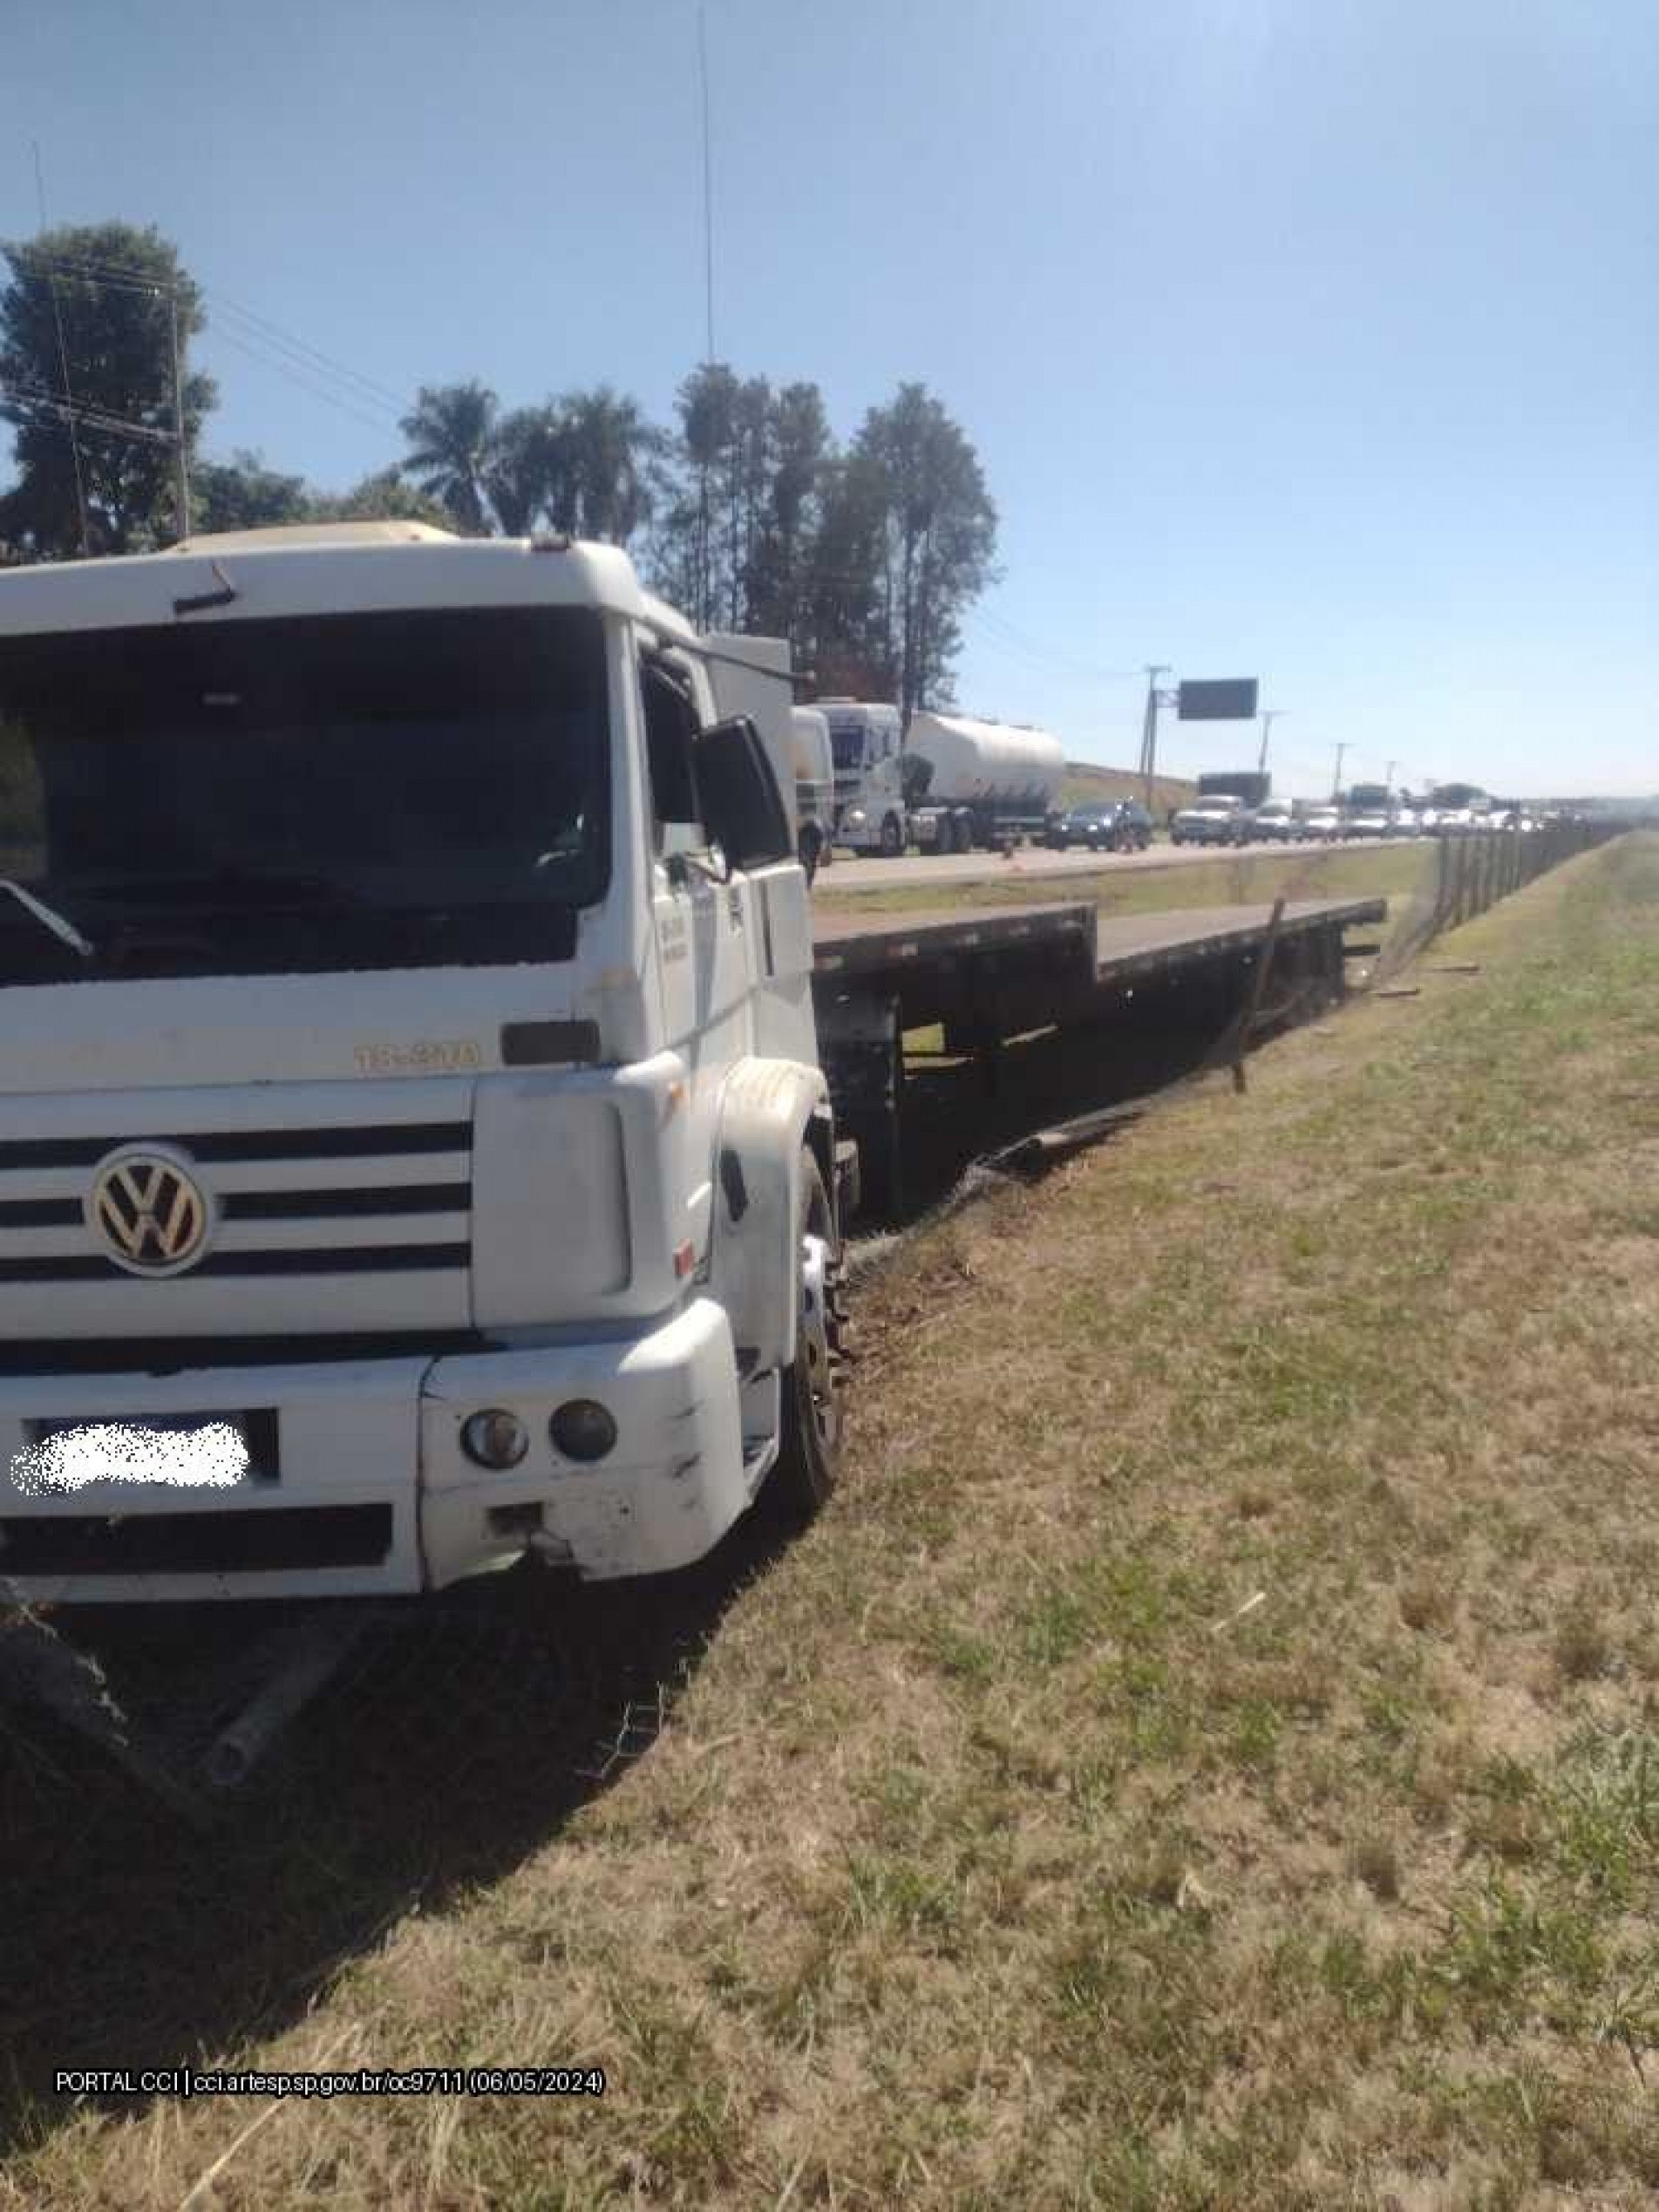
(951, 783)
(1236, 810)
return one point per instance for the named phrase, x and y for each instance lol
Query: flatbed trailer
(991, 974)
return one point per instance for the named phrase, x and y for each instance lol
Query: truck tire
(811, 846)
(809, 1406)
(892, 838)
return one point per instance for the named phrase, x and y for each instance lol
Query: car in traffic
(1221, 819)
(1105, 826)
(1277, 822)
(1404, 823)
(1372, 821)
(1325, 824)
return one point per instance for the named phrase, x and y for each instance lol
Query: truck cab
(867, 740)
(413, 1149)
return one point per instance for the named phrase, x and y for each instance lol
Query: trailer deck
(992, 973)
(1121, 946)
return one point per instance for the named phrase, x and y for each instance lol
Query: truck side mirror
(742, 807)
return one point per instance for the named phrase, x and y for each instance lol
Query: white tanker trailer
(952, 783)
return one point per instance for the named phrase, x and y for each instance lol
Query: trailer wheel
(892, 838)
(809, 1443)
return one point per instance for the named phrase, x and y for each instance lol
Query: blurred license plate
(208, 1451)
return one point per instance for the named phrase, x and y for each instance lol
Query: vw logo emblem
(148, 1211)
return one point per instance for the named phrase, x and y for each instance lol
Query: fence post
(1258, 988)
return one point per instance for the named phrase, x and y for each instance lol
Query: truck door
(705, 928)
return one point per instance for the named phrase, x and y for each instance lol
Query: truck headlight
(582, 1429)
(494, 1439)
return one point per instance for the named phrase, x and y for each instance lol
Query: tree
(451, 434)
(382, 497)
(846, 610)
(708, 405)
(938, 538)
(608, 452)
(800, 456)
(528, 469)
(241, 494)
(87, 329)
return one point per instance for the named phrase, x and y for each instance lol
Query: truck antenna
(708, 185)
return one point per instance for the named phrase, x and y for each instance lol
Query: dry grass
(1210, 1753)
(1085, 785)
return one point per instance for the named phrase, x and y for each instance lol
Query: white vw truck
(413, 1150)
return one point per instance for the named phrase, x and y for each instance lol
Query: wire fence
(1473, 869)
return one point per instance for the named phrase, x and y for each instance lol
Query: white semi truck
(945, 784)
(414, 1151)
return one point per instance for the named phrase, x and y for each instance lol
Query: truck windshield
(396, 789)
(846, 744)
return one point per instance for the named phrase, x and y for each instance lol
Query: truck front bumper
(360, 1483)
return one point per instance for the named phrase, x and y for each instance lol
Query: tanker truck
(949, 783)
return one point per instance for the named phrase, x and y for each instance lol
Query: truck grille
(365, 1223)
(281, 1537)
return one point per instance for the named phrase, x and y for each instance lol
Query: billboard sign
(1230, 699)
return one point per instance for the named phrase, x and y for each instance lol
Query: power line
(90, 418)
(295, 376)
(63, 360)
(278, 336)
(115, 279)
(1016, 641)
(118, 277)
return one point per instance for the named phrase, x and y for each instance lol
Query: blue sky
(1316, 341)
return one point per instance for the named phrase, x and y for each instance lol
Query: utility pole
(1269, 716)
(1149, 730)
(1336, 780)
(181, 462)
(1388, 776)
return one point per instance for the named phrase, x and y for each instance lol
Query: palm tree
(528, 470)
(613, 450)
(452, 437)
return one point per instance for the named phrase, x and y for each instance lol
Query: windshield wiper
(48, 918)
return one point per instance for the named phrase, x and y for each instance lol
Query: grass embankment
(1392, 871)
(1087, 785)
(1207, 1755)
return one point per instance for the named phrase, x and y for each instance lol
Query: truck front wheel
(892, 838)
(809, 1443)
(811, 849)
